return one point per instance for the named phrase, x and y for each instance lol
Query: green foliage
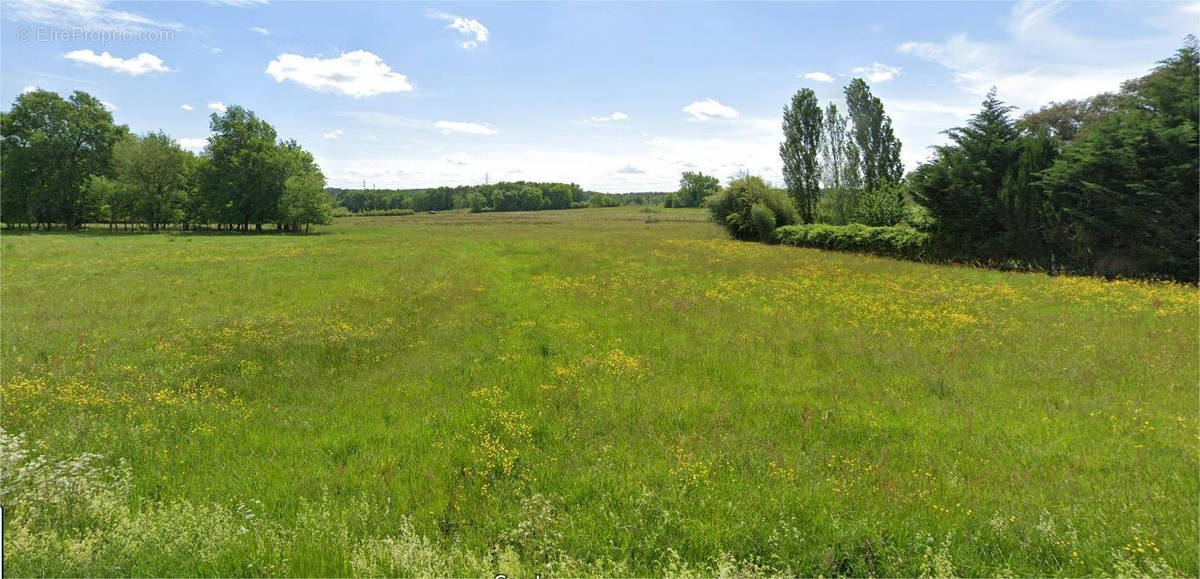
(762, 221)
(800, 151)
(876, 144)
(839, 153)
(1067, 119)
(883, 206)
(1124, 192)
(694, 187)
(841, 182)
(1118, 199)
(304, 201)
(154, 169)
(749, 209)
(518, 197)
(896, 241)
(245, 174)
(503, 196)
(980, 189)
(50, 148)
(110, 200)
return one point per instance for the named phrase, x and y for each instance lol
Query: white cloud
(710, 109)
(111, 107)
(405, 154)
(617, 116)
(358, 74)
(1042, 61)
(86, 14)
(217, 107)
(186, 107)
(193, 144)
(878, 72)
(817, 76)
(468, 26)
(1039, 61)
(448, 127)
(634, 164)
(143, 63)
(29, 89)
(333, 135)
(1028, 16)
(240, 3)
(260, 30)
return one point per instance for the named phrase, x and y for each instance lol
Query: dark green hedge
(897, 241)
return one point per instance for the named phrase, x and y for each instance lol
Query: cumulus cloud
(28, 89)
(357, 74)
(878, 72)
(710, 109)
(217, 107)
(143, 63)
(630, 170)
(111, 107)
(333, 135)
(193, 144)
(260, 30)
(817, 76)
(186, 107)
(448, 127)
(467, 26)
(617, 116)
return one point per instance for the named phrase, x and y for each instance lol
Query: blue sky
(613, 96)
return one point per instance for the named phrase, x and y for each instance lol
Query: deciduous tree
(800, 151)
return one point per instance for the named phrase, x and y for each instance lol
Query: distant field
(602, 391)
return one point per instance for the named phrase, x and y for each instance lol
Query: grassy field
(601, 391)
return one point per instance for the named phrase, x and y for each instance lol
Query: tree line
(65, 163)
(503, 196)
(1106, 185)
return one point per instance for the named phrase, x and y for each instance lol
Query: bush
(899, 241)
(882, 207)
(381, 213)
(749, 209)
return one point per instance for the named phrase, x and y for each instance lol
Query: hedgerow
(896, 241)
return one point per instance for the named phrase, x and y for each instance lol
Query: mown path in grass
(600, 391)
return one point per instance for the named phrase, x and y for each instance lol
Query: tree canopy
(50, 148)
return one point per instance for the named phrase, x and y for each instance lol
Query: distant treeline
(505, 196)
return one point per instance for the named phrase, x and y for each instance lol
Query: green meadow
(587, 392)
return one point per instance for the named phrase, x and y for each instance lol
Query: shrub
(882, 207)
(383, 213)
(898, 241)
(762, 221)
(749, 209)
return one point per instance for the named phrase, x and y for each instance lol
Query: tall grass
(583, 393)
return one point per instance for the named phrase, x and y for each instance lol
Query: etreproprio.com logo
(77, 33)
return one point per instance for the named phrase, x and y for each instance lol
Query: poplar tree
(801, 147)
(879, 149)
